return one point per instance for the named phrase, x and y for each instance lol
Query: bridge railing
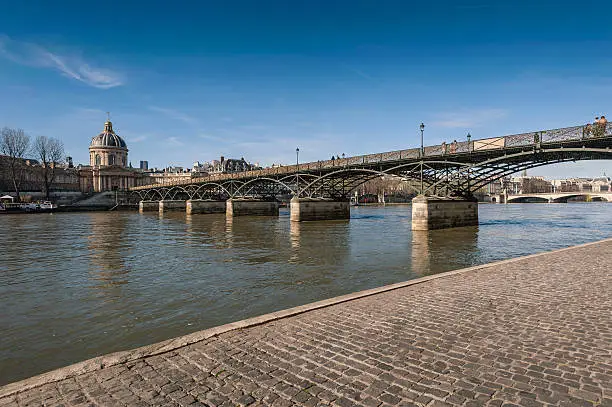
(516, 140)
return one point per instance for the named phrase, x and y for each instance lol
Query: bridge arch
(175, 190)
(151, 193)
(253, 182)
(202, 187)
(357, 177)
(477, 175)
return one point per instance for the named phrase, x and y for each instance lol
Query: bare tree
(50, 152)
(14, 144)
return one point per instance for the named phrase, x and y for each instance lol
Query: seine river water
(78, 285)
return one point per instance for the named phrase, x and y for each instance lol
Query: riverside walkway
(532, 331)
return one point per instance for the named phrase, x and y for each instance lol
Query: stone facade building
(224, 166)
(108, 168)
(66, 178)
(601, 184)
(529, 185)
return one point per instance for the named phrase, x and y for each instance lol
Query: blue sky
(256, 79)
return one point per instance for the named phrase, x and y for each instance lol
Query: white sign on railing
(489, 143)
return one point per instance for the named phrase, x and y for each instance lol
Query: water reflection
(420, 252)
(229, 231)
(106, 244)
(294, 232)
(436, 251)
(206, 229)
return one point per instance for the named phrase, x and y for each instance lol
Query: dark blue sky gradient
(192, 80)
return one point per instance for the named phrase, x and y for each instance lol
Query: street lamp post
(469, 136)
(297, 164)
(422, 127)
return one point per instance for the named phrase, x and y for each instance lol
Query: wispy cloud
(89, 111)
(469, 118)
(213, 138)
(175, 141)
(71, 66)
(175, 114)
(136, 139)
(361, 73)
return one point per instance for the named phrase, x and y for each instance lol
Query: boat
(36, 207)
(46, 206)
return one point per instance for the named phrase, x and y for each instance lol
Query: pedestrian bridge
(445, 176)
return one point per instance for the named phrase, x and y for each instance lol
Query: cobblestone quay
(529, 332)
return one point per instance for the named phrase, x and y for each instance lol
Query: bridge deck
(533, 331)
(474, 151)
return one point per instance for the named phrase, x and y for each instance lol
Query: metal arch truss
(437, 176)
(448, 179)
(461, 180)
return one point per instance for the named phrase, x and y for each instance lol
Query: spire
(108, 126)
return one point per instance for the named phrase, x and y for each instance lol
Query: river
(77, 285)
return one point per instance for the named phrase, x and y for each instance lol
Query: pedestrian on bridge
(587, 130)
(600, 126)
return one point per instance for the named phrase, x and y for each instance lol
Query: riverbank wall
(527, 331)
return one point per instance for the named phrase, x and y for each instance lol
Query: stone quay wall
(533, 331)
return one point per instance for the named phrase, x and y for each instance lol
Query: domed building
(108, 164)
(107, 148)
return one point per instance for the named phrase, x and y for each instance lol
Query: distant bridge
(555, 197)
(454, 170)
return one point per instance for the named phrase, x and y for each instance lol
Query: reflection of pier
(107, 262)
(436, 251)
(554, 197)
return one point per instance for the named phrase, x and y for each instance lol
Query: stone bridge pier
(309, 209)
(148, 206)
(205, 206)
(430, 213)
(251, 207)
(172, 206)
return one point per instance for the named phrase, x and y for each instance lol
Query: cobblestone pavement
(532, 332)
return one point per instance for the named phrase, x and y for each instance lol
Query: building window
(98, 159)
(111, 159)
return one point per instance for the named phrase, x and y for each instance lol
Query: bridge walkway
(532, 331)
